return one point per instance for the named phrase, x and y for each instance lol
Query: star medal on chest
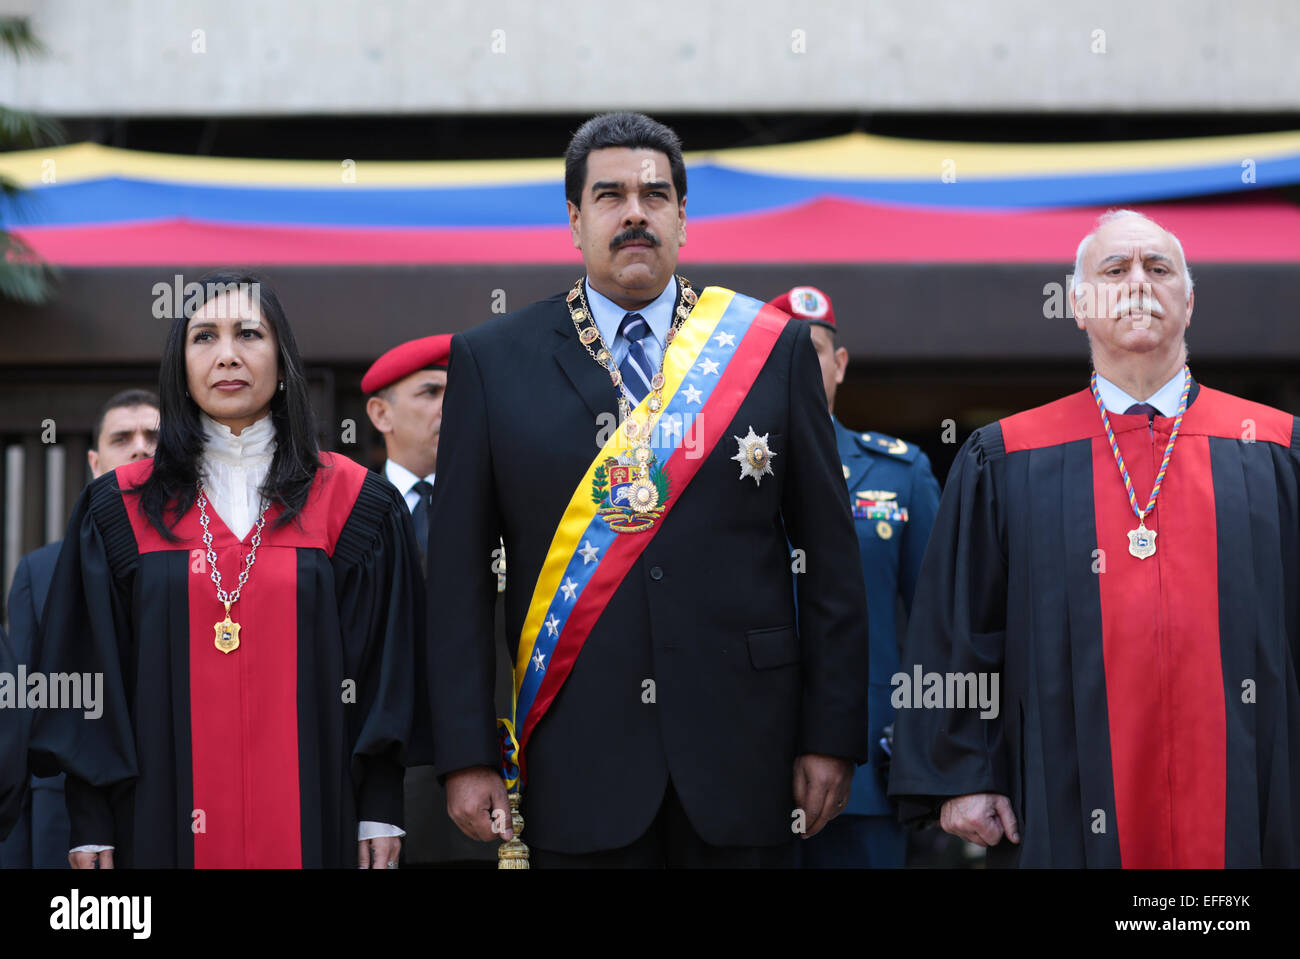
(754, 456)
(226, 631)
(1142, 541)
(631, 490)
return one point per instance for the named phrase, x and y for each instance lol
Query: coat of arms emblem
(631, 492)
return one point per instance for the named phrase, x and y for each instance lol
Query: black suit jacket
(13, 763)
(741, 687)
(40, 837)
(431, 836)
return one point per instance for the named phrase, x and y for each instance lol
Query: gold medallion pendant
(227, 634)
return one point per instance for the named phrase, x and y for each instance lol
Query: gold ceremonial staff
(513, 854)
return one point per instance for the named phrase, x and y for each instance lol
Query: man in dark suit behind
(702, 723)
(404, 390)
(127, 430)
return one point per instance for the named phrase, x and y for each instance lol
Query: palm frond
(20, 129)
(23, 276)
(16, 37)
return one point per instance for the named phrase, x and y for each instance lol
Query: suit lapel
(583, 373)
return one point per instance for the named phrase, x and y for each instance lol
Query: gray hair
(1109, 216)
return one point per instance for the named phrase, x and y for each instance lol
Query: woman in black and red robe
(255, 607)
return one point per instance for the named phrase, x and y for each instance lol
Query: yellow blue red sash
(708, 371)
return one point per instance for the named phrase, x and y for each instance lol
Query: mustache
(1140, 304)
(634, 233)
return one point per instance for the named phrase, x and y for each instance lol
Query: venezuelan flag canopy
(849, 199)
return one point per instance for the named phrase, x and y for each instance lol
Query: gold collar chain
(226, 636)
(589, 336)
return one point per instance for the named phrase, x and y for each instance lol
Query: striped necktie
(636, 369)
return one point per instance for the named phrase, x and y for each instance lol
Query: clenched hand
(981, 818)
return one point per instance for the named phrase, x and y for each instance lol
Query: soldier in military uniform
(894, 496)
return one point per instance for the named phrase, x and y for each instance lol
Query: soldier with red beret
(405, 387)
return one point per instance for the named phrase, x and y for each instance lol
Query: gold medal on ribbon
(1142, 541)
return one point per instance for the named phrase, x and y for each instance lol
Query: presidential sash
(709, 368)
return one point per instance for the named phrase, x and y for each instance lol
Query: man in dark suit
(405, 388)
(702, 723)
(127, 430)
(894, 496)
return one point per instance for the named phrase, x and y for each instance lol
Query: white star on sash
(726, 339)
(589, 553)
(568, 589)
(709, 366)
(539, 660)
(552, 625)
(692, 394)
(671, 424)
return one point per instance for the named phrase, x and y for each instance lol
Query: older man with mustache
(1127, 558)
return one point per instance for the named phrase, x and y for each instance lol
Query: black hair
(174, 479)
(632, 130)
(124, 400)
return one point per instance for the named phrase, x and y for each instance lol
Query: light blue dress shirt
(608, 316)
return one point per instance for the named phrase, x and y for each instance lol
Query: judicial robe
(1148, 714)
(268, 756)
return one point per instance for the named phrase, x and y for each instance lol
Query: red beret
(807, 303)
(426, 353)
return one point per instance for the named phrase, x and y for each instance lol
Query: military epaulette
(888, 446)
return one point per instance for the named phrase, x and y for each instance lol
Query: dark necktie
(420, 515)
(1147, 410)
(635, 367)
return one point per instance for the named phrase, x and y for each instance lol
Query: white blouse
(233, 469)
